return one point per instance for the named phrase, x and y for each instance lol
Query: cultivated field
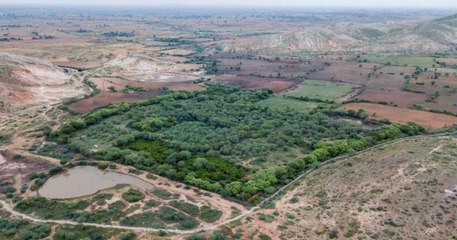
(403, 115)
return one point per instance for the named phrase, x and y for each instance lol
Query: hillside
(27, 80)
(403, 191)
(428, 36)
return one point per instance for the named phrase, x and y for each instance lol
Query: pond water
(86, 180)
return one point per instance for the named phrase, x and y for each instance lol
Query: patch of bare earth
(404, 115)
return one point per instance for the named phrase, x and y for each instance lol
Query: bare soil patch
(78, 64)
(349, 72)
(403, 115)
(91, 103)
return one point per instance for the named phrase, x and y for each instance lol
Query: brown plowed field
(78, 64)
(403, 115)
(393, 97)
(103, 99)
(106, 97)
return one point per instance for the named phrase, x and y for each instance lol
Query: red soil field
(393, 97)
(350, 72)
(404, 115)
(105, 98)
(447, 61)
(78, 64)
(119, 84)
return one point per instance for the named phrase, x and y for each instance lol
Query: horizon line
(250, 6)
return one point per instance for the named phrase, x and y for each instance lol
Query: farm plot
(80, 65)
(447, 61)
(275, 84)
(414, 61)
(275, 68)
(386, 86)
(348, 72)
(403, 115)
(324, 90)
(393, 97)
(115, 90)
(283, 104)
(88, 104)
(441, 91)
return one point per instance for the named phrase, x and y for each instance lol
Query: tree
(234, 188)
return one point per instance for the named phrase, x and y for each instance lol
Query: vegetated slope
(425, 37)
(407, 190)
(26, 80)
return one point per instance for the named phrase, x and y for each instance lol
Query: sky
(257, 3)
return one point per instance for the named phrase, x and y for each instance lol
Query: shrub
(55, 170)
(333, 234)
(163, 194)
(128, 236)
(196, 237)
(186, 207)
(102, 165)
(133, 195)
(209, 214)
(219, 235)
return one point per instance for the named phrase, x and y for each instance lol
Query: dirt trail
(7, 207)
(436, 149)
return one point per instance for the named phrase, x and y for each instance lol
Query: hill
(425, 36)
(403, 191)
(27, 80)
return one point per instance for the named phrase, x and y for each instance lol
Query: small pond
(86, 180)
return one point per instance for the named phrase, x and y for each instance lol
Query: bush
(209, 214)
(186, 207)
(102, 165)
(196, 237)
(35, 175)
(170, 215)
(163, 194)
(55, 170)
(128, 236)
(64, 235)
(133, 195)
(219, 235)
(333, 234)
(264, 237)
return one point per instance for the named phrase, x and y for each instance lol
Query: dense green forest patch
(214, 138)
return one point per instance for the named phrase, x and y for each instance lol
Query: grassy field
(423, 62)
(415, 61)
(321, 90)
(282, 104)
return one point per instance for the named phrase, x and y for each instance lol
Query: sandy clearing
(428, 120)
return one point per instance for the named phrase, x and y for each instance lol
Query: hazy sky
(305, 3)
